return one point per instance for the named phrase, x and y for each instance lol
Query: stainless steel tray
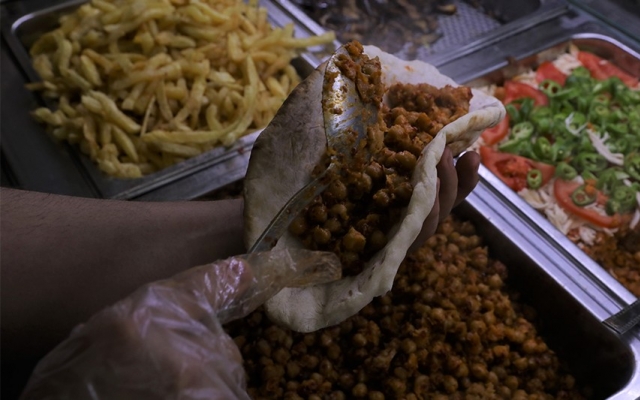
(570, 304)
(470, 28)
(512, 56)
(620, 14)
(38, 163)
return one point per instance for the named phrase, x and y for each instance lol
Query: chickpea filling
(449, 329)
(354, 215)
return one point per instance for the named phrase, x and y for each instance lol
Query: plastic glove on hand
(166, 339)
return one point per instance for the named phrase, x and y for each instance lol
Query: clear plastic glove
(166, 339)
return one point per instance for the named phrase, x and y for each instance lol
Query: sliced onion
(601, 147)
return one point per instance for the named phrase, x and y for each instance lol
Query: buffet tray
(570, 304)
(470, 28)
(620, 14)
(39, 163)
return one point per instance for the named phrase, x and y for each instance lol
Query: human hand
(166, 339)
(455, 182)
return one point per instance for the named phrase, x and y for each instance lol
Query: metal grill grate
(467, 23)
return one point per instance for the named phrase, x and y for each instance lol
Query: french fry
(143, 84)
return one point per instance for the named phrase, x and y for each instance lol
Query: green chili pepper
(550, 87)
(623, 200)
(618, 129)
(628, 97)
(615, 85)
(562, 149)
(523, 130)
(599, 114)
(565, 171)
(620, 145)
(565, 94)
(581, 198)
(541, 117)
(632, 165)
(577, 121)
(600, 87)
(602, 98)
(583, 103)
(592, 162)
(514, 114)
(588, 176)
(581, 72)
(514, 146)
(608, 180)
(526, 106)
(543, 150)
(534, 178)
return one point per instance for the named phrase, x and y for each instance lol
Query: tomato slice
(513, 169)
(602, 69)
(517, 90)
(547, 70)
(562, 191)
(497, 133)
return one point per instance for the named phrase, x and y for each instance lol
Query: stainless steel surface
(43, 165)
(569, 303)
(517, 228)
(471, 28)
(603, 45)
(620, 14)
(344, 114)
(625, 319)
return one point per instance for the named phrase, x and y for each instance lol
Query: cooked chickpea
(382, 198)
(375, 171)
(318, 213)
(321, 235)
(359, 390)
(444, 315)
(406, 160)
(332, 225)
(339, 210)
(337, 189)
(376, 395)
(298, 226)
(354, 241)
(403, 191)
(450, 384)
(377, 240)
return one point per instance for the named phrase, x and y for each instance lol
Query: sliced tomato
(547, 70)
(518, 90)
(497, 133)
(602, 69)
(562, 191)
(513, 169)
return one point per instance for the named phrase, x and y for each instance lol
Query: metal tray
(620, 14)
(470, 28)
(570, 304)
(516, 54)
(39, 163)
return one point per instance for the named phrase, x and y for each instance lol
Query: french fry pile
(144, 84)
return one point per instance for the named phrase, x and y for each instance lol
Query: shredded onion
(567, 124)
(598, 143)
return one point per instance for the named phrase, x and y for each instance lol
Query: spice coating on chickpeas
(447, 330)
(354, 215)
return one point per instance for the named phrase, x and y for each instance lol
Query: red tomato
(547, 70)
(513, 169)
(562, 191)
(497, 133)
(602, 69)
(517, 90)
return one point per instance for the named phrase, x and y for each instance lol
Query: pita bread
(282, 161)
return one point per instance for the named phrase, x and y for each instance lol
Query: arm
(65, 258)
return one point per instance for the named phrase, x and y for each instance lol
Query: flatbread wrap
(288, 151)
